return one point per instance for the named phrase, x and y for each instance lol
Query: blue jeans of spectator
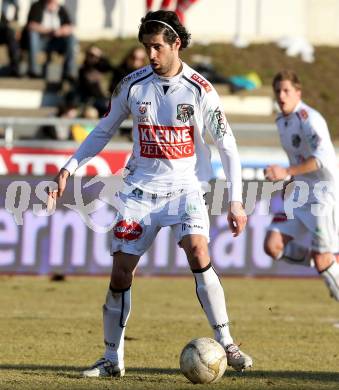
(47, 43)
(7, 37)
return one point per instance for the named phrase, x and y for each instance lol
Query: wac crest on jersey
(184, 112)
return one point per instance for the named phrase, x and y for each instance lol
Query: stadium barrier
(23, 126)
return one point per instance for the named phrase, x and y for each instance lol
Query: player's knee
(198, 257)
(323, 260)
(273, 248)
(198, 253)
(121, 279)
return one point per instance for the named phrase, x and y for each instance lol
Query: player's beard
(163, 69)
(160, 70)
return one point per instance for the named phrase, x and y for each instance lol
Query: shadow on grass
(316, 376)
(36, 367)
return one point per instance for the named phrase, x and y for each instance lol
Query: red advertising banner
(40, 161)
(48, 161)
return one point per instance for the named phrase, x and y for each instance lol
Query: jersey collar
(298, 106)
(169, 80)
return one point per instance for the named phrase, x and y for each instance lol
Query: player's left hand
(275, 172)
(236, 218)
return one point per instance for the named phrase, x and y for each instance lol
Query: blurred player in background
(314, 172)
(172, 106)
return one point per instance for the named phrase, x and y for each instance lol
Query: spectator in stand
(61, 131)
(80, 131)
(135, 59)
(91, 77)
(180, 7)
(9, 15)
(49, 28)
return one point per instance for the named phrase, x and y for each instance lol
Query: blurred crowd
(48, 29)
(88, 97)
(86, 86)
(87, 79)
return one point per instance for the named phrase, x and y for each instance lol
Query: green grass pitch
(50, 331)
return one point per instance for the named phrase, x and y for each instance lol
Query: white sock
(211, 297)
(116, 311)
(331, 278)
(296, 254)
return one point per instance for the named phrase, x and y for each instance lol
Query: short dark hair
(289, 75)
(149, 25)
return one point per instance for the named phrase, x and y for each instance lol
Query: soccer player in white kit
(310, 232)
(172, 107)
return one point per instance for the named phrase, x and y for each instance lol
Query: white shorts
(142, 215)
(319, 233)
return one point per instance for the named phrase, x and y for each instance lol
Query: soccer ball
(203, 360)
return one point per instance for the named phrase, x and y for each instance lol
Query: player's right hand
(61, 180)
(58, 189)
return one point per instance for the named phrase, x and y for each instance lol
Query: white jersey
(170, 120)
(304, 134)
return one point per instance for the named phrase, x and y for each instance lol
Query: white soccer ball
(203, 360)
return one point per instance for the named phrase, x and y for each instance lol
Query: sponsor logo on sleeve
(204, 83)
(133, 75)
(219, 123)
(184, 112)
(303, 114)
(167, 142)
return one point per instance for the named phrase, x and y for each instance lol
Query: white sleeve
(216, 122)
(103, 132)
(318, 139)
